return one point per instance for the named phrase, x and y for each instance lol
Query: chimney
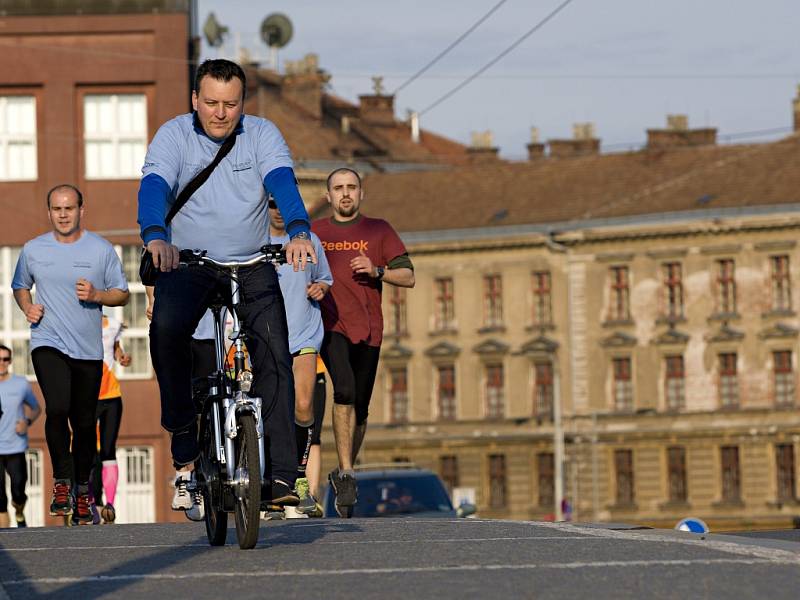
(796, 105)
(302, 85)
(481, 149)
(376, 108)
(583, 143)
(678, 135)
(535, 147)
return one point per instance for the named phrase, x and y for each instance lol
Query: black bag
(148, 272)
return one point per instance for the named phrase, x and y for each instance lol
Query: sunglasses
(5, 359)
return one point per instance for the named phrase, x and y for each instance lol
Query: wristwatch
(302, 235)
(380, 272)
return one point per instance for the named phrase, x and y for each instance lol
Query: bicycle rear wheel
(216, 519)
(248, 502)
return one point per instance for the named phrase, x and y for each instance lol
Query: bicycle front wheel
(248, 502)
(216, 518)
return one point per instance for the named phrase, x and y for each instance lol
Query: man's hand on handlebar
(165, 255)
(298, 251)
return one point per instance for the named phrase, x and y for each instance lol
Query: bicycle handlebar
(271, 253)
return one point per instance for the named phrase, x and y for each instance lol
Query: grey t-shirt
(15, 393)
(69, 325)
(228, 215)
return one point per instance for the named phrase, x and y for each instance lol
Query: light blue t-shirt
(69, 325)
(15, 392)
(303, 315)
(228, 215)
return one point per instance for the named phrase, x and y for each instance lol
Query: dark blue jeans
(181, 298)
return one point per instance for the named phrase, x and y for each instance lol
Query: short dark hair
(63, 187)
(7, 349)
(342, 170)
(222, 70)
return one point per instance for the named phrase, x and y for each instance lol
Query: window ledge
(540, 327)
(492, 329)
(728, 316)
(619, 323)
(791, 502)
(739, 503)
(777, 313)
(670, 320)
(445, 331)
(674, 505)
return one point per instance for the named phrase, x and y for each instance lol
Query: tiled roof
(312, 138)
(589, 187)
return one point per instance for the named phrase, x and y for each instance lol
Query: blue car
(396, 490)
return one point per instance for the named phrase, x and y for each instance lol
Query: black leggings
(352, 368)
(17, 468)
(319, 409)
(109, 413)
(70, 388)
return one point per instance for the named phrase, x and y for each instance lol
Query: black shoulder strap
(200, 178)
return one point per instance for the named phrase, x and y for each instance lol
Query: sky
(621, 64)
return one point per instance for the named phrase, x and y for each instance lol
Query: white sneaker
(292, 513)
(197, 511)
(182, 498)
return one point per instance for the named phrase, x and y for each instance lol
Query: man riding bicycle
(227, 216)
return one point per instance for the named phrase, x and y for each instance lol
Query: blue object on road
(692, 525)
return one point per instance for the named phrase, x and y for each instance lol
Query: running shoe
(188, 497)
(283, 494)
(344, 486)
(108, 513)
(61, 504)
(82, 509)
(95, 512)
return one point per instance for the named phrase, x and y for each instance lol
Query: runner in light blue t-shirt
(19, 410)
(302, 291)
(75, 273)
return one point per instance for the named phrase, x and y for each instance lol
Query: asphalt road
(394, 558)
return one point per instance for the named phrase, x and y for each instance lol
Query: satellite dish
(213, 31)
(276, 30)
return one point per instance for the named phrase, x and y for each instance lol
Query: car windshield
(387, 497)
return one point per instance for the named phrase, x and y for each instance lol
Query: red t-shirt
(353, 305)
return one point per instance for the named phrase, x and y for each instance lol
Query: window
(448, 469)
(731, 477)
(115, 135)
(781, 284)
(397, 321)
(726, 286)
(674, 383)
(545, 469)
(673, 290)
(623, 468)
(18, 158)
(446, 392)
(136, 494)
(728, 381)
(495, 400)
(623, 385)
(398, 395)
(497, 481)
(543, 390)
(620, 295)
(784, 378)
(542, 305)
(676, 470)
(492, 301)
(784, 462)
(135, 337)
(445, 315)
(15, 330)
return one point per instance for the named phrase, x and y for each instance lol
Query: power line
(497, 58)
(450, 47)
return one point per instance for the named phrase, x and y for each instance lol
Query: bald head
(65, 189)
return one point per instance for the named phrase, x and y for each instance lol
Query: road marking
(398, 570)
(314, 543)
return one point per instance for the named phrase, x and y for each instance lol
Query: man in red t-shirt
(363, 254)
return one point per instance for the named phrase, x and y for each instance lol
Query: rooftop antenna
(214, 32)
(276, 31)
